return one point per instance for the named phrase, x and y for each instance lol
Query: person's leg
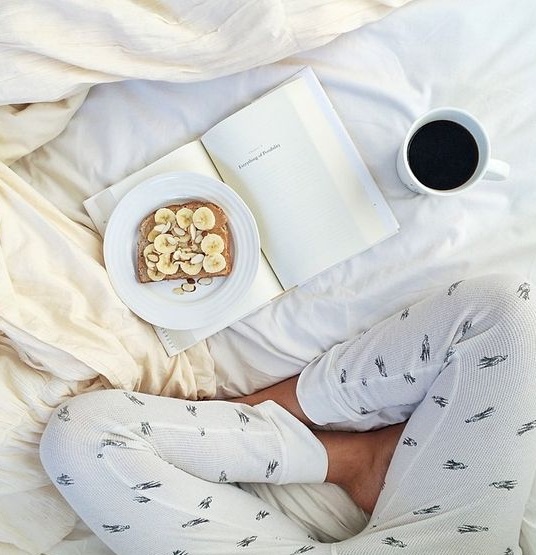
(154, 475)
(358, 461)
(462, 365)
(486, 315)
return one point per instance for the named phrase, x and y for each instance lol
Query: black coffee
(443, 155)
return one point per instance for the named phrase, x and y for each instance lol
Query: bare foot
(358, 461)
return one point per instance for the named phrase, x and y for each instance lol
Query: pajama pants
(161, 476)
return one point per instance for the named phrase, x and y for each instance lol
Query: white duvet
(64, 329)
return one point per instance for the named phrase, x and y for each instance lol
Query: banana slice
(213, 263)
(166, 265)
(165, 243)
(212, 243)
(184, 217)
(203, 218)
(152, 235)
(191, 269)
(155, 275)
(149, 249)
(164, 216)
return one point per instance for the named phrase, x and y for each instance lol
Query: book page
(191, 157)
(291, 160)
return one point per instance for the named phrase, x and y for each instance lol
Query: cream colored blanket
(63, 330)
(52, 51)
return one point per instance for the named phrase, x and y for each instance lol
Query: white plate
(155, 302)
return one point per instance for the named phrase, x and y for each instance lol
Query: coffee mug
(447, 151)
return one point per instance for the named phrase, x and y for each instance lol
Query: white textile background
(480, 56)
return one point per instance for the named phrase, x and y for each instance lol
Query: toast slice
(182, 241)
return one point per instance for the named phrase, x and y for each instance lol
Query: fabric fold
(24, 128)
(57, 50)
(63, 331)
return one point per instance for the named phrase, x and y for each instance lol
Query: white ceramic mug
(487, 167)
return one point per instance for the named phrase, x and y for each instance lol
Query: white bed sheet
(479, 55)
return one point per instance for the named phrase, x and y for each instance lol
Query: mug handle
(497, 170)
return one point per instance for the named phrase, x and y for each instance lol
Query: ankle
(350, 456)
(358, 461)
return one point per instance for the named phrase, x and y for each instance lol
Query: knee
(503, 308)
(74, 423)
(506, 298)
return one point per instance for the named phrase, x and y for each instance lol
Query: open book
(290, 159)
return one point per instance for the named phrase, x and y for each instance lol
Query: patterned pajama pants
(155, 475)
